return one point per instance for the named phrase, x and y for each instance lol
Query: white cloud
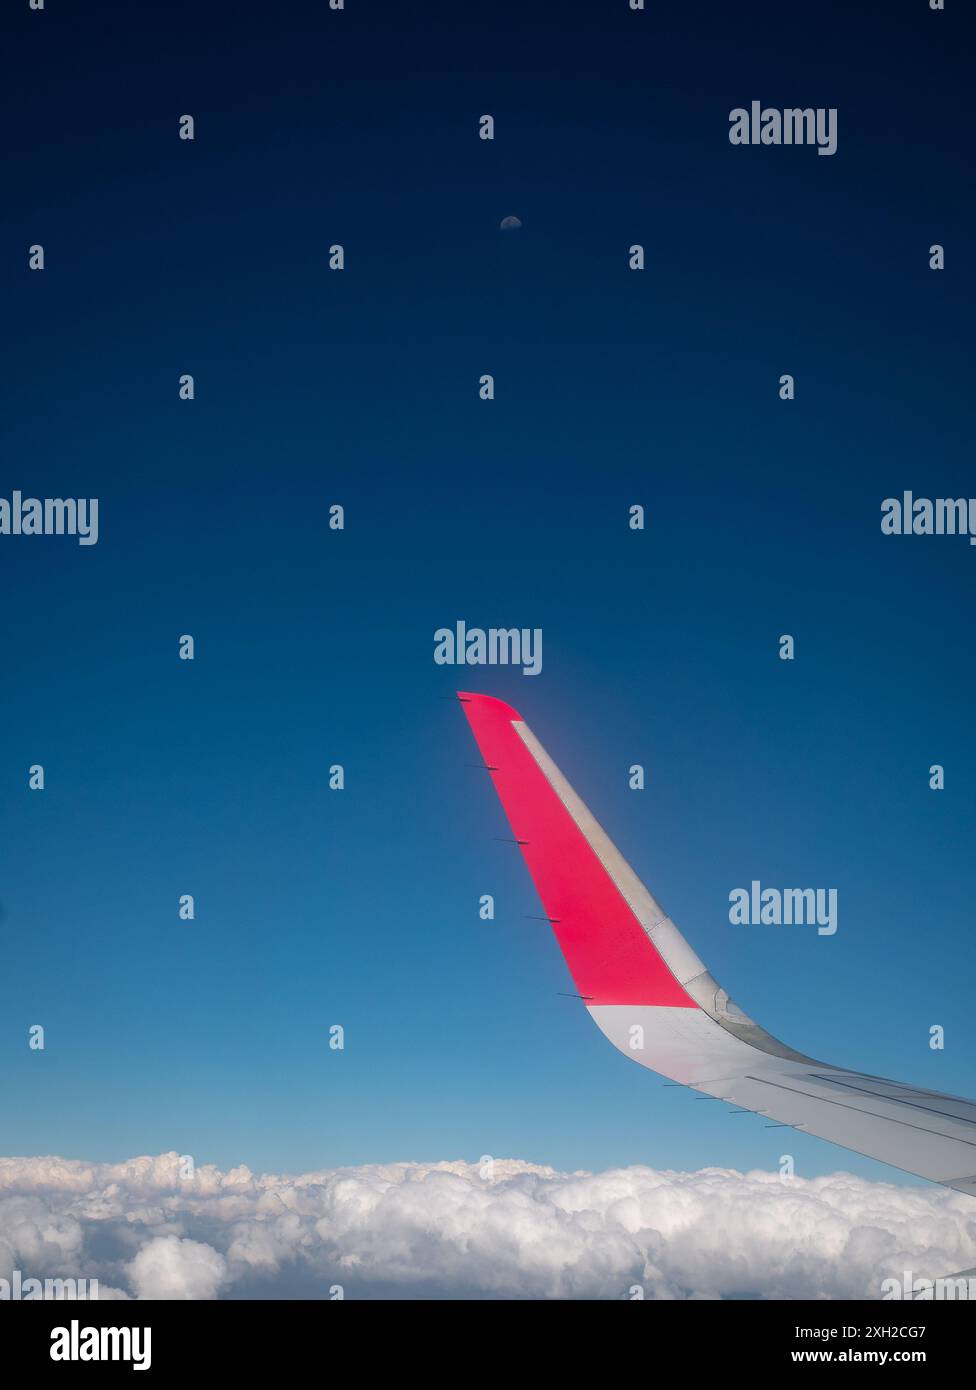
(168, 1267)
(433, 1229)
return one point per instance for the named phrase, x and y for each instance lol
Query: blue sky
(360, 907)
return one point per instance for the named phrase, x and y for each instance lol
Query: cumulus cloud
(496, 1229)
(168, 1267)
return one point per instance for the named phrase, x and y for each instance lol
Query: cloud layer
(498, 1229)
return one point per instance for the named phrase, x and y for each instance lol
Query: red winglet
(610, 955)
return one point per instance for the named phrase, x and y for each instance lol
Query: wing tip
(488, 704)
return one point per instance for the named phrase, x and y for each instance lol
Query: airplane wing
(653, 998)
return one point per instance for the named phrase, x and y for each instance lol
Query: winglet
(488, 707)
(577, 871)
(654, 1000)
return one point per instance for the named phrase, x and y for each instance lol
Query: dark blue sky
(360, 387)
